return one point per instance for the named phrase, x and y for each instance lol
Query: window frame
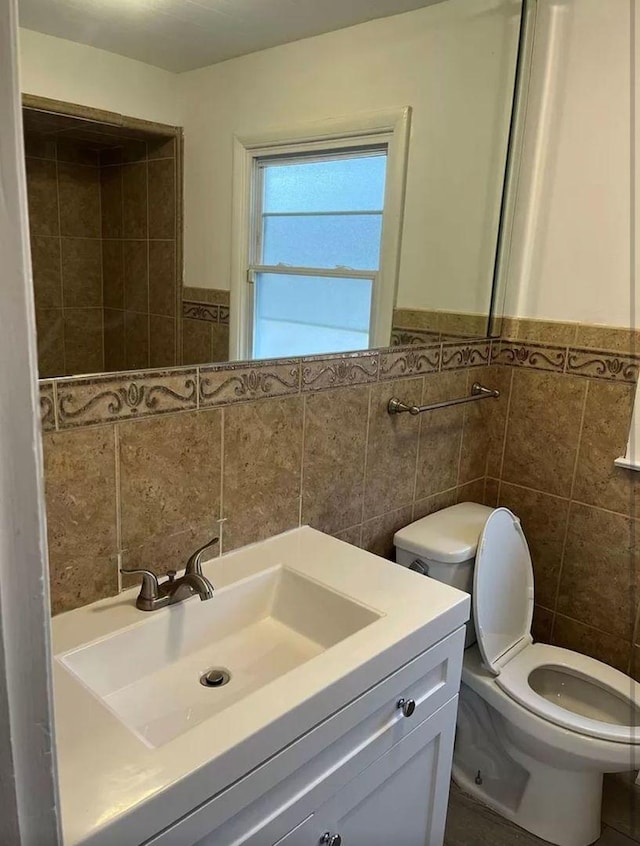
(388, 129)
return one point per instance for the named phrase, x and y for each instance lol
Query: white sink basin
(257, 629)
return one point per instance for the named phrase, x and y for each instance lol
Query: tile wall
(141, 469)
(63, 184)
(569, 408)
(103, 243)
(205, 325)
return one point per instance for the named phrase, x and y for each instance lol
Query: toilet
(538, 725)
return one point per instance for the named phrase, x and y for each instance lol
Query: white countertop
(117, 790)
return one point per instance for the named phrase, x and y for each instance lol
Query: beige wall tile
(352, 535)
(80, 483)
(474, 354)
(603, 365)
(440, 434)
(134, 199)
(600, 572)
(391, 450)
(81, 272)
(334, 458)
(136, 276)
(77, 582)
(582, 638)
(169, 475)
(42, 193)
(47, 407)
(196, 341)
(79, 195)
(542, 624)
(543, 430)
(546, 331)
(336, 371)
(607, 338)
(491, 492)
(111, 202)
(604, 438)
(162, 278)
(377, 534)
(471, 491)
(162, 341)
(50, 330)
(162, 204)
(83, 340)
(262, 469)
(45, 260)
(544, 521)
(409, 362)
(484, 424)
(444, 499)
(219, 343)
(136, 339)
(114, 349)
(113, 273)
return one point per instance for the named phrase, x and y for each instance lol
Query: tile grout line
(116, 441)
(366, 458)
(221, 518)
(302, 447)
(568, 520)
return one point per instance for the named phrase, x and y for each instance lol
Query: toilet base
(559, 805)
(572, 803)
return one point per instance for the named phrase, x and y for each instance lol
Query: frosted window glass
(305, 315)
(325, 241)
(343, 184)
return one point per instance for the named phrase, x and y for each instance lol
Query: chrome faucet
(155, 594)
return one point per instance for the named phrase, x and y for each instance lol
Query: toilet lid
(502, 589)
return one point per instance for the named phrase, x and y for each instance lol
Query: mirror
(206, 187)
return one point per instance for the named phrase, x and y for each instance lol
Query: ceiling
(181, 35)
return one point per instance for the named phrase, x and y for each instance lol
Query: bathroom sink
(254, 630)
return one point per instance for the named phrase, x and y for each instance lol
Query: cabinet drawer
(331, 754)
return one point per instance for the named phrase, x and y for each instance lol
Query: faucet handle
(150, 589)
(194, 564)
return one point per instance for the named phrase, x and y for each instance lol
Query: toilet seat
(599, 701)
(609, 687)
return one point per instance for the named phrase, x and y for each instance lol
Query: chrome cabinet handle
(407, 706)
(331, 839)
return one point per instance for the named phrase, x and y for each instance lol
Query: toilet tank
(443, 546)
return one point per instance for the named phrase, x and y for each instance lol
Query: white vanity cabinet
(367, 775)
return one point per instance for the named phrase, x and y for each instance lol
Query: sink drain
(216, 677)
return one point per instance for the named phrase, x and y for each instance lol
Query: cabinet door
(399, 800)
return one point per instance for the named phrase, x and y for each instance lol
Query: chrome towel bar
(478, 392)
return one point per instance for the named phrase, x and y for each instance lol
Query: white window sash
(389, 129)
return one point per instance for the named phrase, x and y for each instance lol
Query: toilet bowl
(538, 725)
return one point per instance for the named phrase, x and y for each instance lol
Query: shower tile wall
(138, 185)
(63, 183)
(103, 243)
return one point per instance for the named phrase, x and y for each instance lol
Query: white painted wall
(572, 239)
(63, 70)
(453, 63)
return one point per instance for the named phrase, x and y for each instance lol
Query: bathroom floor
(472, 824)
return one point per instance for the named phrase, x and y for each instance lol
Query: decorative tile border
(73, 402)
(86, 402)
(475, 354)
(201, 311)
(401, 337)
(339, 371)
(410, 362)
(224, 384)
(603, 365)
(537, 356)
(47, 406)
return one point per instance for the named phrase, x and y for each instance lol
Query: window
(316, 251)
(317, 218)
